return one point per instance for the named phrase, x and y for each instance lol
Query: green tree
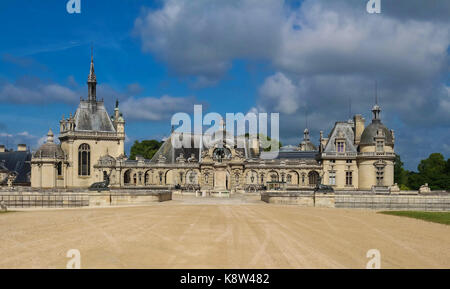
(145, 148)
(434, 171)
(400, 174)
(266, 142)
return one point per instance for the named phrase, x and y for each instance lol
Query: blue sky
(161, 57)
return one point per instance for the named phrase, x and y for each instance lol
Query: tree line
(434, 170)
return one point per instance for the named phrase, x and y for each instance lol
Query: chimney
(2, 148)
(358, 128)
(21, 147)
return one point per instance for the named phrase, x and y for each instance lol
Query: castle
(91, 149)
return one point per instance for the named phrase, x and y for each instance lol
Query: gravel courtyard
(241, 232)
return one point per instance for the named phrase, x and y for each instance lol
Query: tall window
(348, 178)
(332, 179)
(289, 179)
(84, 160)
(59, 168)
(380, 176)
(380, 146)
(340, 147)
(313, 178)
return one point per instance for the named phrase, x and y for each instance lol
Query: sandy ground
(210, 233)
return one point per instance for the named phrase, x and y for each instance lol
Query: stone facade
(91, 147)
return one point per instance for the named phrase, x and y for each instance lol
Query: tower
(376, 153)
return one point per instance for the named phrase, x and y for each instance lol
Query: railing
(377, 154)
(44, 200)
(336, 154)
(352, 154)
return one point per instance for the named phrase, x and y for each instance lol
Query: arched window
(147, 177)
(127, 177)
(84, 160)
(313, 178)
(59, 168)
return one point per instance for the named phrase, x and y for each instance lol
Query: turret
(119, 122)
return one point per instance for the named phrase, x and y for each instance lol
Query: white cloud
(155, 109)
(201, 38)
(279, 91)
(35, 91)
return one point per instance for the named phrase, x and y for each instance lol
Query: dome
(376, 129)
(49, 149)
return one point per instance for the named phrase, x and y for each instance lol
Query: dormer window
(340, 147)
(380, 146)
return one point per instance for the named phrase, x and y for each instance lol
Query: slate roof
(92, 116)
(171, 154)
(49, 150)
(345, 130)
(289, 155)
(370, 132)
(18, 162)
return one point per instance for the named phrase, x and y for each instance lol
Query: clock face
(221, 154)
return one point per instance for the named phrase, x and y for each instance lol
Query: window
(181, 177)
(380, 146)
(340, 147)
(349, 161)
(262, 179)
(348, 178)
(84, 160)
(59, 168)
(313, 178)
(236, 178)
(333, 161)
(289, 179)
(380, 176)
(332, 179)
(206, 178)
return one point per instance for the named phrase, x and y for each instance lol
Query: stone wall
(304, 199)
(438, 202)
(47, 199)
(362, 200)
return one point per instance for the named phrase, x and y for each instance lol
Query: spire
(376, 110)
(306, 134)
(92, 80)
(50, 136)
(306, 131)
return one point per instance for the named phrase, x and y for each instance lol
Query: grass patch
(435, 217)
